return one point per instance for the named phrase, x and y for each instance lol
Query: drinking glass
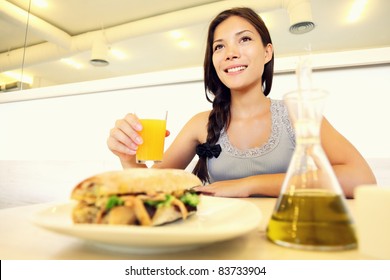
(153, 134)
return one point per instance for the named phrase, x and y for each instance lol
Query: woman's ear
(269, 52)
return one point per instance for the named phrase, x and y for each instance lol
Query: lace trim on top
(287, 124)
(279, 116)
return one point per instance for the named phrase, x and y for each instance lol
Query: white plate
(217, 219)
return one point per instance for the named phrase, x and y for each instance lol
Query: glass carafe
(310, 212)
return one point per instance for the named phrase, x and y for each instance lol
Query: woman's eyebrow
(218, 40)
(243, 31)
(237, 34)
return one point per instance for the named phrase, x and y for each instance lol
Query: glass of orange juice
(153, 135)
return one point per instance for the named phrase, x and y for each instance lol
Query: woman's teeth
(236, 69)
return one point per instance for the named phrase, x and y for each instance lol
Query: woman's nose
(232, 53)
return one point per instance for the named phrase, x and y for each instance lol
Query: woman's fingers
(128, 131)
(133, 121)
(205, 190)
(124, 138)
(119, 141)
(119, 149)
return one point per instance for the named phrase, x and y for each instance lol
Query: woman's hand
(124, 138)
(229, 188)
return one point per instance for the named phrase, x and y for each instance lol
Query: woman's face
(239, 55)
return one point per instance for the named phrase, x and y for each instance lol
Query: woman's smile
(235, 69)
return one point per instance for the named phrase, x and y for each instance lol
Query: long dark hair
(220, 114)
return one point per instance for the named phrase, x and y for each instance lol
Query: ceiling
(153, 35)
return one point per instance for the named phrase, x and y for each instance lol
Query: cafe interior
(70, 69)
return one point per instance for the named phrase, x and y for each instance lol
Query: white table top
(20, 239)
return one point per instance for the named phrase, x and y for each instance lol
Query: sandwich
(137, 196)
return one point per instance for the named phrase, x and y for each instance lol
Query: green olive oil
(314, 220)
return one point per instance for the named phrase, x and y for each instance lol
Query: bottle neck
(307, 130)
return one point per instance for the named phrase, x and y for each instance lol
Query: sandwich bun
(134, 180)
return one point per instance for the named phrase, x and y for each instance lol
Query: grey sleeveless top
(272, 157)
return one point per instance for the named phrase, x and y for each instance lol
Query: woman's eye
(217, 47)
(246, 39)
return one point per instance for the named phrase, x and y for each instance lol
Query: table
(20, 239)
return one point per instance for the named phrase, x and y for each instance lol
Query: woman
(246, 141)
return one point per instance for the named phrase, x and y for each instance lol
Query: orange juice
(153, 135)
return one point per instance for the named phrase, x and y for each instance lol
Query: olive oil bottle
(310, 212)
(312, 220)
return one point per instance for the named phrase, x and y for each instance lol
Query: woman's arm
(265, 185)
(124, 139)
(350, 167)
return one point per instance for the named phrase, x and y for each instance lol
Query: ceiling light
(15, 81)
(18, 77)
(99, 56)
(302, 27)
(99, 62)
(356, 10)
(300, 17)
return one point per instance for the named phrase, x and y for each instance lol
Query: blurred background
(52, 42)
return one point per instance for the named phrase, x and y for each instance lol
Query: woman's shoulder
(197, 126)
(199, 120)
(201, 117)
